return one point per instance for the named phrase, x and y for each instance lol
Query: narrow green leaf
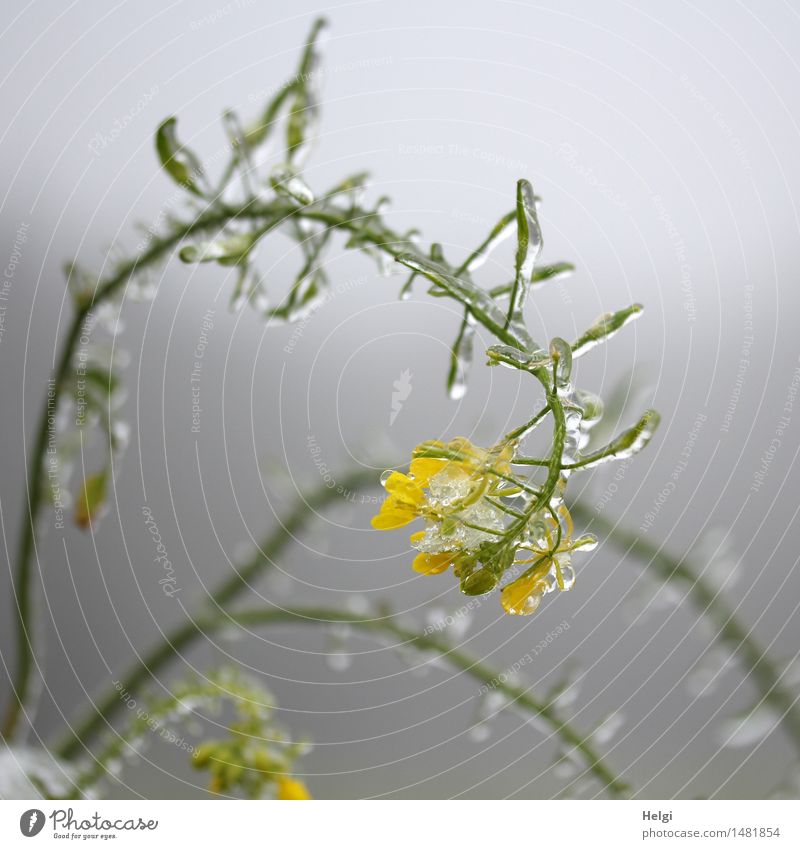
(227, 251)
(304, 108)
(628, 443)
(529, 246)
(498, 234)
(604, 328)
(287, 183)
(461, 358)
(178, 161)
(480, 303)
(514, 358)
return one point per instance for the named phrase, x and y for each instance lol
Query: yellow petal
(523, 596)
(291, 788)
(424, 468)
(569, 527)
(417, 536)
(401, 486)
(432, 564)
(395, 516)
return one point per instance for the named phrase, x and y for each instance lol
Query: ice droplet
(338, 661)
(748, 728)
(609, 727)
(480, 732)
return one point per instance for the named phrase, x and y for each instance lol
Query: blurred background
(663, 142)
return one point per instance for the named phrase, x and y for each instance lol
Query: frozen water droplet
(457, 389)
(748, 728)
(480, 732)
(567, 766)
(708, 672)
(339, 661)
(358, 605)
(567, 573)
(608, 728)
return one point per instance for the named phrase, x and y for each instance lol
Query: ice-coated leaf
(287, 183)
(604, 328)
(479, 301)
(628, 443)
(514, 358)
(529, 246)
(228, 251)
(561, 354)
(499, 233)
(461, 359)
(304, 109)
(541, 274)
(178, 160)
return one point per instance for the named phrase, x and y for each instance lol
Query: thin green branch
(180, 637)
(711, 604)
(595, 764)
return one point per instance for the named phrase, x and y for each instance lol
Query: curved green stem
(183, 635)
(711, 604)
(595, 763)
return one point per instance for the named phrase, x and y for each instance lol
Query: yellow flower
(446, 485)
(291, 789)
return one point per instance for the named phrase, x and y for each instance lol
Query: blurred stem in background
(709, 602)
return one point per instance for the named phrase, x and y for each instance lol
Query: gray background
(663, 140)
